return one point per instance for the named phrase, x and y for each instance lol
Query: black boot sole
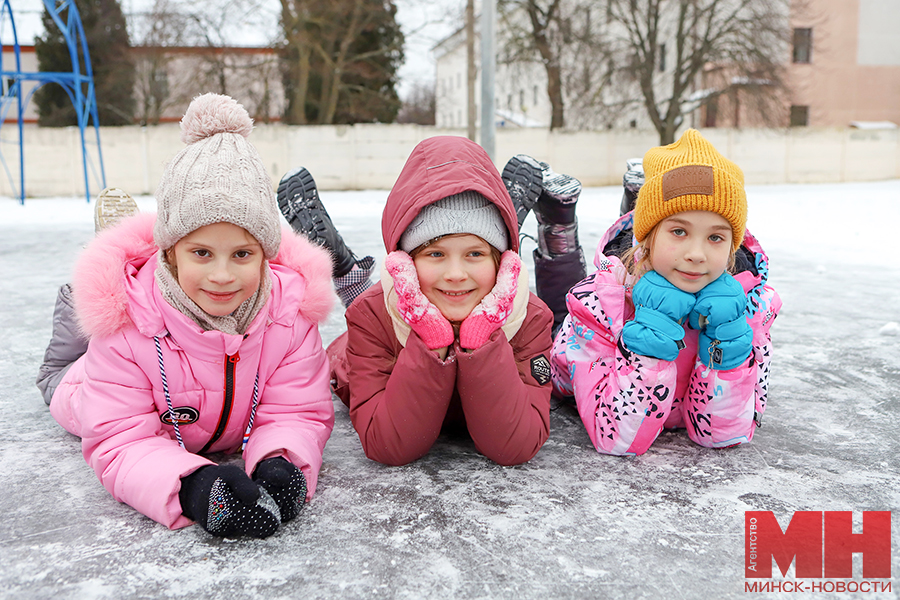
(524, 183)
(298, 201)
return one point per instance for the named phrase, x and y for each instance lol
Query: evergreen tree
(107, 40)
(340, 61)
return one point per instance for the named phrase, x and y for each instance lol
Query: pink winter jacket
(625, 400)
(113, 397)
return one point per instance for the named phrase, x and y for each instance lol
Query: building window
(662, 58)
(803, 46)
(799, 116)
(535, 95)
(458, 80)
(712, 110)
(9, 89)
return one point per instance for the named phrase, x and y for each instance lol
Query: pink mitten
(418, 312)
(492, 311)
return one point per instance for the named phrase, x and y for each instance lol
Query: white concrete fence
(371, 156)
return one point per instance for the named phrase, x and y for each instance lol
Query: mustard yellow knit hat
(690, 175)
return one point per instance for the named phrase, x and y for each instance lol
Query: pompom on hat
(218, 177)
(466, 212)
(690, 175)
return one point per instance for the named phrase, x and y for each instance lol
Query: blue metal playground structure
(78, 84)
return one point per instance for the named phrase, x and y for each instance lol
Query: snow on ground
(569, 524)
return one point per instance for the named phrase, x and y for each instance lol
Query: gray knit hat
(467, 212)
(218, 177)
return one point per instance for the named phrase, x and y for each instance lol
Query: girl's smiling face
(218, 266)
(691, 249)
(455, 273)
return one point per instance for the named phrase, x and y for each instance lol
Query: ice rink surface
(571, 523)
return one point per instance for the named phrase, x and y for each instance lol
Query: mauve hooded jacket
(400, 394)
(113, 397)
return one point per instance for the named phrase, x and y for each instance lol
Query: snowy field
(569, 524)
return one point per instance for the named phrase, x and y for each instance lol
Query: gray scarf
(234, 324)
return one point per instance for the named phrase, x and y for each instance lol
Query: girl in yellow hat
(672, 330)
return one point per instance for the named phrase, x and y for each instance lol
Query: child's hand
(285, 483)
(418, 312)
(493, 310)
(659, 307)
(725, 336)
(226, 502)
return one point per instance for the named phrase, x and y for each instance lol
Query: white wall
(879, 44)
(371, 156)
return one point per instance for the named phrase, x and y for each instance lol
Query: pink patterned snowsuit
(625, 399)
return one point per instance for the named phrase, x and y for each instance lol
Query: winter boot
(558, 259)
(559, 195)
(112, 206)
(631, 182)
(67, 344)
(299, 202)
(555, 212)
(523, 177)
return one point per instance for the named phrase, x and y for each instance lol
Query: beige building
(846, 63)
(842, 70)
(166, 79)
(27, 64)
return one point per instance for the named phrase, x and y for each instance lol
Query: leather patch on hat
(689, 179)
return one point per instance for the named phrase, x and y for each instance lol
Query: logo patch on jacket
(540, 369)
(185, 415)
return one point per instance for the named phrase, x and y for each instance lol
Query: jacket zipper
(228, 401)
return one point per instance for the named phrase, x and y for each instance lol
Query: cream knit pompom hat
(219, 176)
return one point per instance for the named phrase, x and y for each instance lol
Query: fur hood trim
(100, 289)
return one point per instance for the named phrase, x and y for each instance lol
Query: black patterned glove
(285, 483)
(226, 502)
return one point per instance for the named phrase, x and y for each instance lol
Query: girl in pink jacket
(203, 338)
(674, 330)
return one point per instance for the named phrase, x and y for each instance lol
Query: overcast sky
(424, 23)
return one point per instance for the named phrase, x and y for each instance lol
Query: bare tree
(543, 33)
(162, 27)
(419, 106)
(564, 39)
(673, 43)
(187, 49)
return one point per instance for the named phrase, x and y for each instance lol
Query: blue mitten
(725, 336)
(659, 308)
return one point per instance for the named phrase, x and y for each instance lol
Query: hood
(100, 288)
(438, 167)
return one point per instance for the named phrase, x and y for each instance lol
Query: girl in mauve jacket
(450, 338)
(203, 338)
(672, 330)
